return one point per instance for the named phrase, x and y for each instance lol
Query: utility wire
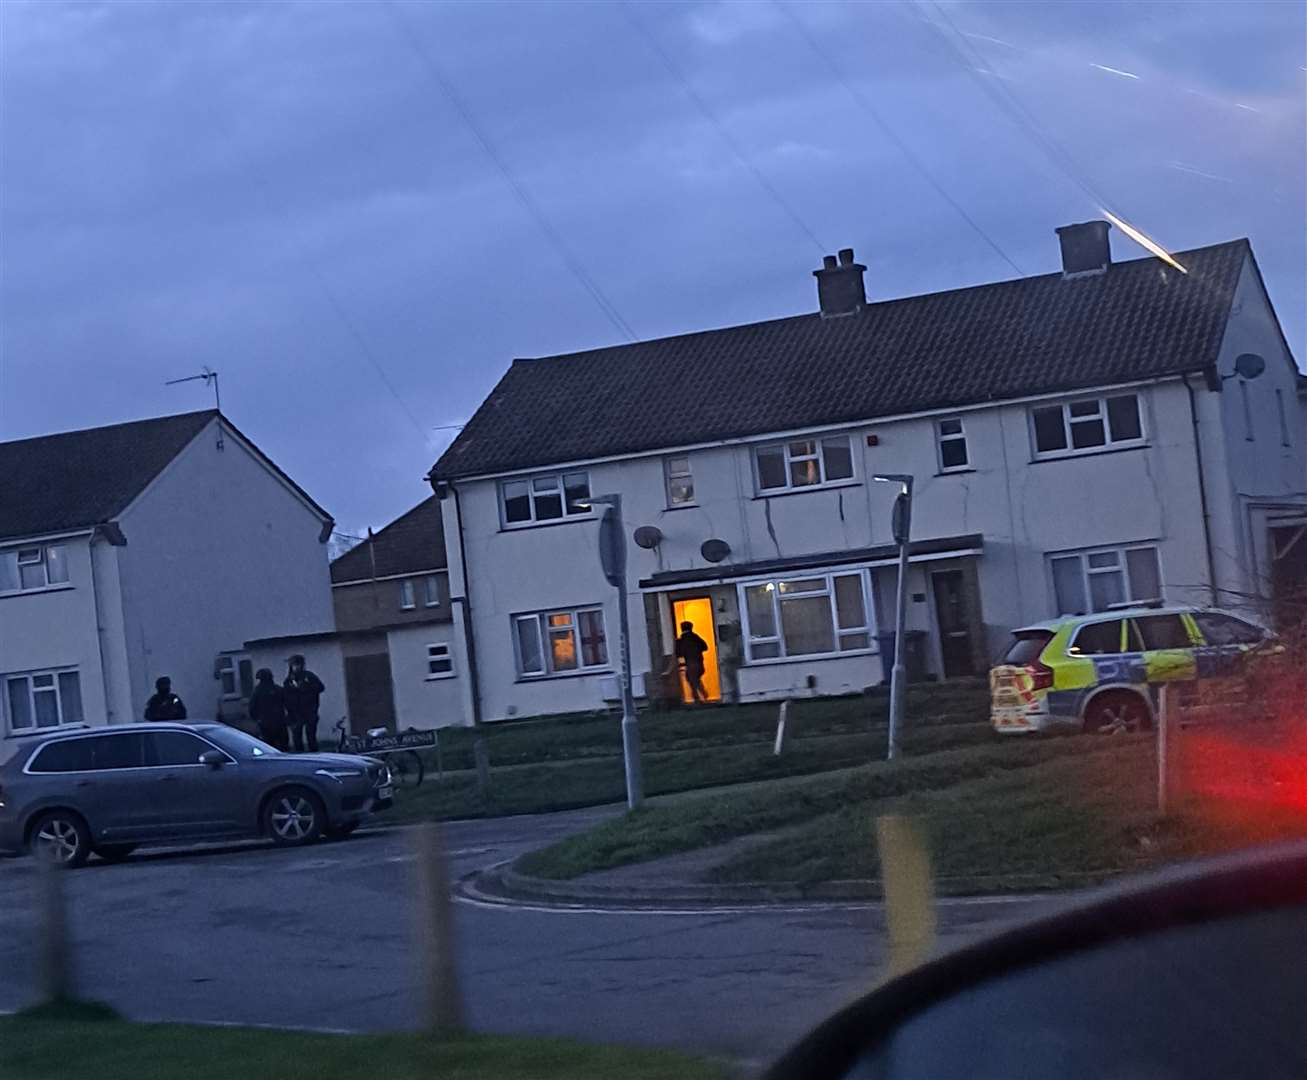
(726, 136)
(1007, 101)
(366, 350)
(437, 75)
(913, 159)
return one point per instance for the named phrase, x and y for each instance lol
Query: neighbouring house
(145, 549)
(393, 623)
(1077, 439)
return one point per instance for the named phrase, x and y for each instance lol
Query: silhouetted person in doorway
(268, 710)
(302, 689)
(164, 704)
(690, 648)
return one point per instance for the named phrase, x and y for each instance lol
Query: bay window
(559, 642)
(807, 616)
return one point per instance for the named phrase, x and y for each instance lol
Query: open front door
(698, 611)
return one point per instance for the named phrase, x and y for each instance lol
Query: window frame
(430, 591)
(959, 436)
(530, 481)
(543, 628)
(42, 560)
(29, 677)
(408, 600)
(670, 475)
(446, 658)
(1122, 567)
(788, 458)
(1108, 444)
(783, 655)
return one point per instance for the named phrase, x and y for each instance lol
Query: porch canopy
(946, 547)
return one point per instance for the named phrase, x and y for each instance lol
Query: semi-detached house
(1077, 439)
(145, 549)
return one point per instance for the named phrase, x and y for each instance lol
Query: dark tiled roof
(1140, 319)
(408, 545)
(81, 478)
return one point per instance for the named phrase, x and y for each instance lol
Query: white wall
(219, 551)
(55, 628)
(324, 659)
(1025, 509)
(421, 700)
(1254, 474)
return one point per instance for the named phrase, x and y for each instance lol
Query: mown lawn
(688, 824)
(593, 780)
(1014, 816)
(65, 1049)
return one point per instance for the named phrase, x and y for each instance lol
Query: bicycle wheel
(405, 768)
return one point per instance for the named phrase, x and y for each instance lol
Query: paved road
(320, 937)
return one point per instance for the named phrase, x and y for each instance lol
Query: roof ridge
(871, 306)
(113, 427)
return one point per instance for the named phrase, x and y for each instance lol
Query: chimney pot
(840, 288)
(1085, 248)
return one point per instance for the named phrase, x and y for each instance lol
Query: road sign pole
(612, 557)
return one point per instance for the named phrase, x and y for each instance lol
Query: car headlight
(339, 775)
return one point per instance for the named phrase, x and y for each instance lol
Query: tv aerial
(210, 378)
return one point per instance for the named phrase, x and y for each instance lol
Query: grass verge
(686, 825)
(592, 781)
(51, 1048)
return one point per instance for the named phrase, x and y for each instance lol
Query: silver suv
(108, 790)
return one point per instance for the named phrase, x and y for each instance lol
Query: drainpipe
(1202, 495)
(99, 631)
(480, 753)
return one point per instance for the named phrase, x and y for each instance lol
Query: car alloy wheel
(294, 818)
(58, 840)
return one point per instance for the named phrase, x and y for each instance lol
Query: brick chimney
(1085, 248)
(840, 290)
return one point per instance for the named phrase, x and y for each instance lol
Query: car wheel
(293, 816)
(1117, 712)
(114, 852)
(60, 837)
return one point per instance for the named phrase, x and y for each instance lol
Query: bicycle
(405, 763)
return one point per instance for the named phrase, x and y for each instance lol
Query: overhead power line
(438, 76)
(912, 157)
(725, 134)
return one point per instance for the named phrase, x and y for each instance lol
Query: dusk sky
(360, 213)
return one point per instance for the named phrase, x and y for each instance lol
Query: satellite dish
(1249, 365)
(715, 550)
(648, 537)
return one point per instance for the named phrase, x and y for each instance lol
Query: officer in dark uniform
(164, 705)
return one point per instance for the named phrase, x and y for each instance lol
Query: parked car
(108, 790)
(1101, 672)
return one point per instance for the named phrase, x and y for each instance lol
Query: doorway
(369, 692)
(698, 610)
(953, 617)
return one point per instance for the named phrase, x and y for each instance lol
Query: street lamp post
(902, 526)
(612, 557)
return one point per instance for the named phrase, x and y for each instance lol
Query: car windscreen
(239, 744)
(1026, 647)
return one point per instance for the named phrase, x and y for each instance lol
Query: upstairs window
(430, 591)
(544, 498)
(951, 437)
(25, 569)
(680, 481)
(1083, 426)
(803, 463)
(407, 595)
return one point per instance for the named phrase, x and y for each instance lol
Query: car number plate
(386, 792)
